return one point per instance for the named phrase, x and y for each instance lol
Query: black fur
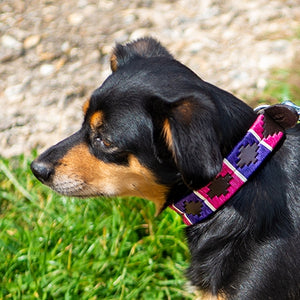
(250, 248)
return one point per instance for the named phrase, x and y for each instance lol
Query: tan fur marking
(82, 174)
(96, 120)
(184, 111)
(168, 134)
(85, 106)
(113, 62)
(209, 296)
(202, 294)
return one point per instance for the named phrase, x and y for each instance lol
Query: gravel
(53, 54)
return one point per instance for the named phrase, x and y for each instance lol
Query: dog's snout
(42, 170)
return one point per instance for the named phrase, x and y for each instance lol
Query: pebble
(261, 83)
(10, 42)
(47, 70)
(14, 92)
(75, 19)
(31, 41)
(74, 66)
(65, 47)
(10, 48)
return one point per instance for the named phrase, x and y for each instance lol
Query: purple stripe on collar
(239, 165)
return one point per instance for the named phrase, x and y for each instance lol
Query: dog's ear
(144, 47)
(191, 134)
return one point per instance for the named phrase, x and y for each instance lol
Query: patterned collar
(259, 141)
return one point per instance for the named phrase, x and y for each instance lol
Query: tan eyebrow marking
(96, 120)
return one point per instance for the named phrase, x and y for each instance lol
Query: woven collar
(240, 164)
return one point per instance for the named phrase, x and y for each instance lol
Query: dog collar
(259, 141)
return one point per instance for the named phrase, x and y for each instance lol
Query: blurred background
(53, 54)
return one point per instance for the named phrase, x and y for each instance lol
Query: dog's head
(152, 125)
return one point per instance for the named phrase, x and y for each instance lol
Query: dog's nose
(41, 170)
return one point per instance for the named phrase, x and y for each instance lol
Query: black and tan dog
(156, 130)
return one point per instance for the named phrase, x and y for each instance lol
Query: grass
(53, 247)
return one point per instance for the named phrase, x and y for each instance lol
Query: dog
(155, 130)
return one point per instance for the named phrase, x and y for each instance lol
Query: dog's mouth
(68, 186)
(78, 188)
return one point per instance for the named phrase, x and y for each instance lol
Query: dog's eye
(98, 141)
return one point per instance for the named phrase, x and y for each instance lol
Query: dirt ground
(53, 54)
